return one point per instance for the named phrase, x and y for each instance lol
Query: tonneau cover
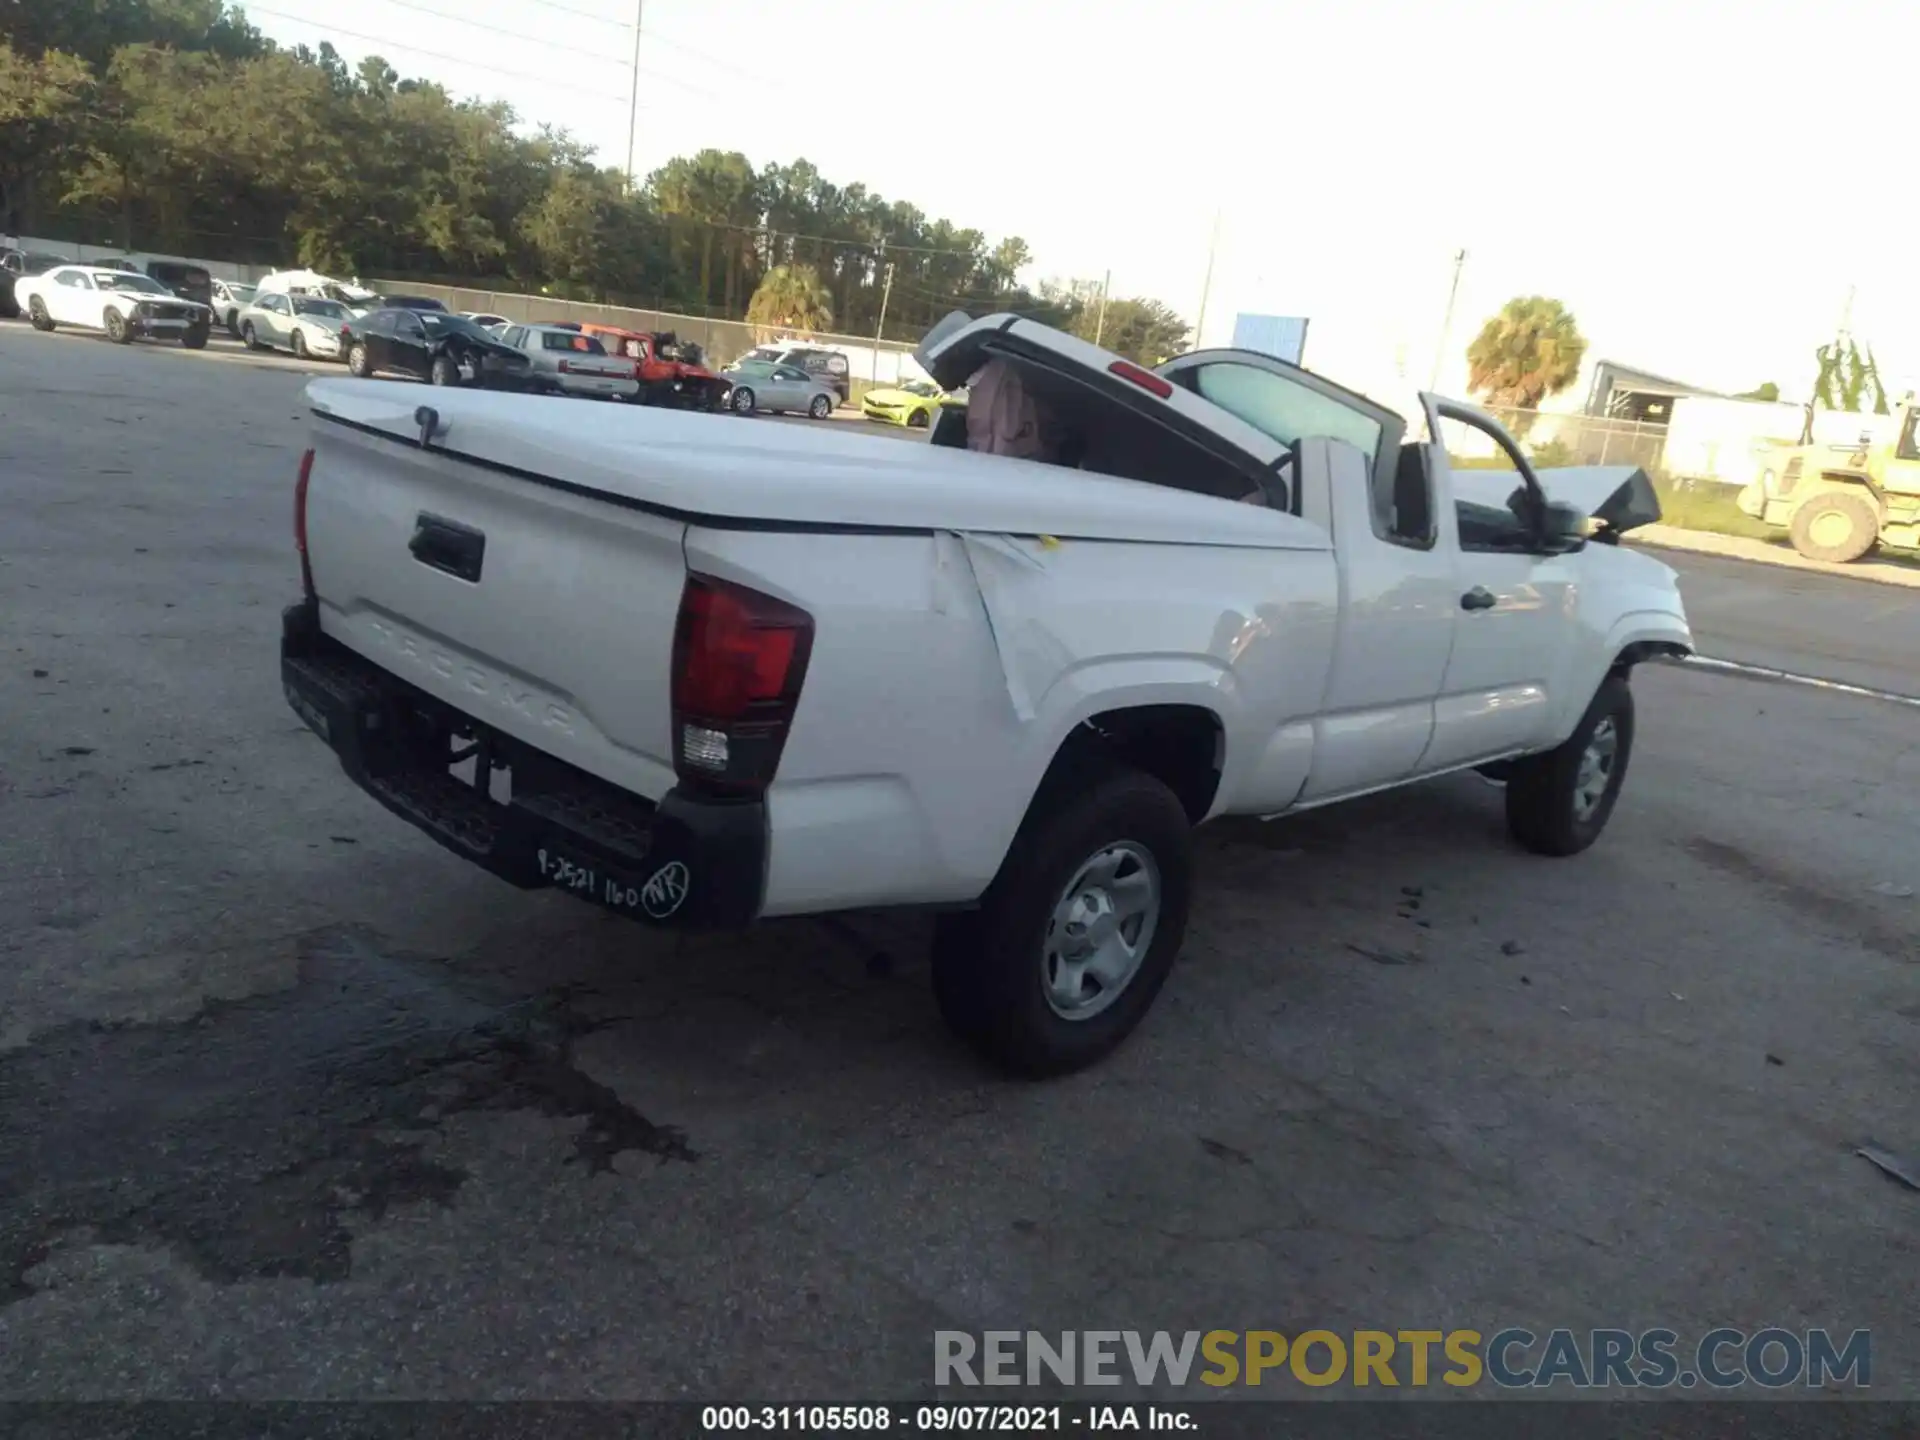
(721, 468)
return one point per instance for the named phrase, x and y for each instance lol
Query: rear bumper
(688, 862)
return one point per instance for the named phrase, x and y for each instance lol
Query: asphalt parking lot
(295, 1105)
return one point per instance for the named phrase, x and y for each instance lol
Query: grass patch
(1708, 505)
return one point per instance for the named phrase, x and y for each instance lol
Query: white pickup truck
(704, 674)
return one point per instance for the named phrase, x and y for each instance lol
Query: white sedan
(119, 302)
(308, 325)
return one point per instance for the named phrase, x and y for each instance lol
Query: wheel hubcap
(1596, 769)
(1831, 527)
(1100, 930)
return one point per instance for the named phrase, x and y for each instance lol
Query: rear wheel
(357, 364)
(118, 331)
(1076, 935)
(233, 323)
(37, 314)
(821, 407)
(1559, 802)
(1838, 527)
(742, 400)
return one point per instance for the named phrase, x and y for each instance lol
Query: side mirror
(1564, 522)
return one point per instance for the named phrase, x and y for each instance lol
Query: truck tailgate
(545, 613)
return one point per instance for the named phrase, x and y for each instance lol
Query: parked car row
(317, 317)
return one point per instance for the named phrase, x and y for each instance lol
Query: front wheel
(1076, 935)
(195, 337)
(443, 371)
(1838, 527)
(919, 420)
(248, 338)
(233, 323)
(37, 315)
(742, 401)
(357, 365)
(1559, 802)
(299, 346)
(821, 407)
(118, 331)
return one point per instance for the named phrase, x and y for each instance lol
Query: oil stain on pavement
(247, 1138)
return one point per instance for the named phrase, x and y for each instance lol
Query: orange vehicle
(671, 372)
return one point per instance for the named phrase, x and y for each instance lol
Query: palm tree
(1530, 350)
(792, 297)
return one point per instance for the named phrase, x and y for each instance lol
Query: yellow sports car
(912, 403)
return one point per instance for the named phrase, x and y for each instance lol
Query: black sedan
(433, 346)
(17, 263)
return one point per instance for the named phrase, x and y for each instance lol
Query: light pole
(633, 97)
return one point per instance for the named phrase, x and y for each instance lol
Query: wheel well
(1640, 650)
(1179, 745)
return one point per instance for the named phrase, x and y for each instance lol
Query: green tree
(1530, 350)
(1768, 392)
(792, 297)
(43, 109)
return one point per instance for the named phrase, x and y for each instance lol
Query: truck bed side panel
(947, 670)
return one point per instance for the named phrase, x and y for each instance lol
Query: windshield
(38, 261)
(920, 387)
(124, 280)
(326, 309)
(438, 323)
(240, 292)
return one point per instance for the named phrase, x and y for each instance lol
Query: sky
(1703, 184)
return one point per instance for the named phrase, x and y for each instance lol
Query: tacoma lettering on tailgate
(490, 685)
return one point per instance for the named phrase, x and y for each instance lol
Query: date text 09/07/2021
(939, 1419)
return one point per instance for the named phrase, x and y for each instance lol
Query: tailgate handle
(446, 545)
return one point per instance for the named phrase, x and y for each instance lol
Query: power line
(583, 15)
(329, 26)
(510, 34)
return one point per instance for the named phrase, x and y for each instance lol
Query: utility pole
(886, 293)
(1206, 285)
(633, 99)
(1446, 321)
(1100, 322)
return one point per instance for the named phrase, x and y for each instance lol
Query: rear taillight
(739, 658)
(565, 367)
(300, 522)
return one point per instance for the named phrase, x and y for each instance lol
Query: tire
(233, 323)
(996, 972)
(299, 346)
(742, 400)
(37, 314)
(443, 371)
(248, 338)
(195, 337)
(9, 306)
(115, 324)
(357, 365)
(820, 407)
(1838, 527)
(1554, 806)
(919, 420)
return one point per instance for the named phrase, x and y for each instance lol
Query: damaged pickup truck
(704, 675)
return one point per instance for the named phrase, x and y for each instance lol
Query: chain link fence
(1585, 439)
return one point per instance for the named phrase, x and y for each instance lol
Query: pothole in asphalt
(247, 1139)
